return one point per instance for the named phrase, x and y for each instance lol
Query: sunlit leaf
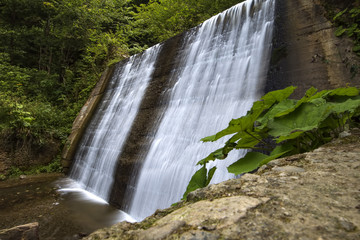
(280, 109)
(248, 163)
(198, 180)
(249, 141)
(305, 118)
(340, 31)
(246, 123)
(339, 14)
(212, 156)
(349, 92)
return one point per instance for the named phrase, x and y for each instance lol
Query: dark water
(62, 212)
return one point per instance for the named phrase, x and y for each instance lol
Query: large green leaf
(348, 91)
(217, 154)
(249, 140)
(282, 107)
(246, 123)
(341, 113)
(253, 160)
(248, 163)
(277, 96)
(339, 14)
(308, 95)
(290, 136)
(235, 125)
(322, 94)
(350, 106)
(305, 118)
(198, 180)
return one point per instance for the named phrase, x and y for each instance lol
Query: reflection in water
(87, 208)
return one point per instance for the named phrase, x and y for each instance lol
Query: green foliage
(279, 127)
(200, 179)
(161, 19)
(52, 167)
(51, 55)
(348, 22)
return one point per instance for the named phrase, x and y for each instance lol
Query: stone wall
(305, 50)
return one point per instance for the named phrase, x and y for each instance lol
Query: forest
(53, 52)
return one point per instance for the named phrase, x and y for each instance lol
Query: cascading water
(101, 145)
(221, 73)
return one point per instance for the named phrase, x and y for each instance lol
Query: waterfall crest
(221, 73)
(101, 145)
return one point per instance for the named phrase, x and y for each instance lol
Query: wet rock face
(23, 232)
(306, 51)
(313, 195)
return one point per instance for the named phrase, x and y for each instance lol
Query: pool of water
(62, 208)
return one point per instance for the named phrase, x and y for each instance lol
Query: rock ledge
(314, 195)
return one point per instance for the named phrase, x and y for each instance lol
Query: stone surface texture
(314, 195)
(306, 51)
(24, 232)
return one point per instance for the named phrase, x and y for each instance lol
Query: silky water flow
(222, 72)
(92, 174)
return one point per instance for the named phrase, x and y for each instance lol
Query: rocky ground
(315, 195)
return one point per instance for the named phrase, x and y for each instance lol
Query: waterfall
(216, 75)
(220, 74)
(101, 145)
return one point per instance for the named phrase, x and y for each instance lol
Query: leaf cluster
(348, 22)
(277, 126)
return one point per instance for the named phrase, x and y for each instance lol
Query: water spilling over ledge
(141, 146)
(101, 145)
(221, 72)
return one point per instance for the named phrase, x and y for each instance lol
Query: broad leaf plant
(277, 126)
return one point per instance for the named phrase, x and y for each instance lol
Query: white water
(101, 145)
(88, 207)
(222, 72)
